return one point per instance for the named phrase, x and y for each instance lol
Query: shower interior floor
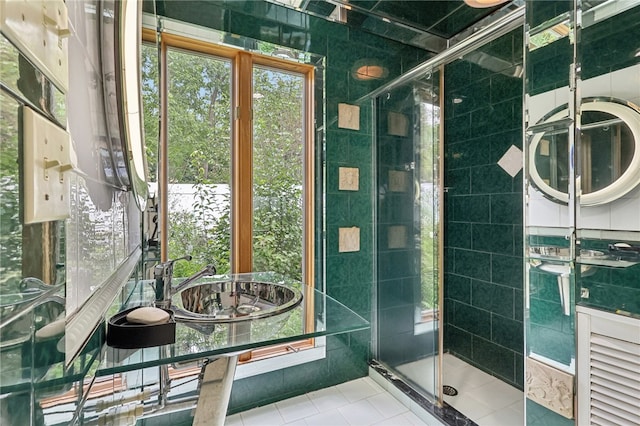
(481, 397)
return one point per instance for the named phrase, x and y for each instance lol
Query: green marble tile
(537, 415)
(506, 209)
(306, 377)
(457, 129)
(537, 12)
(338, 269)
(519, 382)
(473, 264)
(493, 298)
(507, 270)
(458, 288)
(490, 179)
(546, 314)
(505, 87)
(255, 391)
(492, 238)
(507, 333)
(458, 181)
(457, 74)
(396, 293)
(458, 235)
(360, 208)
(356, 294)
(471, 208)
(458, 341)
(337, 210)
(495, 358)
(518, 305)
(543, 286)
(473, 320)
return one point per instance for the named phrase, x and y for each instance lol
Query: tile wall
(349, 275)
(483, 234)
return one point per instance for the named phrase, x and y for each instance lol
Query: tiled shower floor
(481, 397)
(359, 402)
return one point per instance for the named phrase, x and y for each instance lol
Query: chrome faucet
(163, 275)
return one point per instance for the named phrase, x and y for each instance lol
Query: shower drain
(449, 390)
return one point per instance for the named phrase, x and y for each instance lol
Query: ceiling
(429, 24)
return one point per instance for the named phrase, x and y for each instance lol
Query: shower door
(407, 227)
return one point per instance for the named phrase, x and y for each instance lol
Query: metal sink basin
(233, 301)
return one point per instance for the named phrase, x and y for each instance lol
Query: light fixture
(484, 3)
(368, 69)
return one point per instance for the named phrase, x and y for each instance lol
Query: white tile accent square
(512, 161)
(398, 181)
(349, 116)
(397, 236)
(397, 124)
(348, 178)
(348, 239)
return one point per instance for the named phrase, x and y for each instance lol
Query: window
(237, 131)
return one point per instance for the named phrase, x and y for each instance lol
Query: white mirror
(609, 148)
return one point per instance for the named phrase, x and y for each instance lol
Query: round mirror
(609, 153)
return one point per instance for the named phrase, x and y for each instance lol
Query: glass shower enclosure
(408, 134)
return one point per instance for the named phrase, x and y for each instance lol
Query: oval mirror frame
(630, 115)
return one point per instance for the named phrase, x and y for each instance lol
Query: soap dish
(125, 335)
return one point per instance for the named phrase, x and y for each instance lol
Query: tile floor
(481, 397)
(359, 402)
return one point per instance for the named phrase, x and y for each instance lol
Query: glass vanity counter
(317, 315)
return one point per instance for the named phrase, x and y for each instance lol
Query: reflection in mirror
(130, 33)
(549, 35)
(609, 153)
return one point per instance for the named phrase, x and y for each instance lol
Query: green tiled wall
(606, 46)
(349, 276)
(483, 217)
(550, 332)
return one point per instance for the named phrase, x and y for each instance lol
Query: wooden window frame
(243, 63)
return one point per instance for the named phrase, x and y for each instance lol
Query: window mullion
(242, 154)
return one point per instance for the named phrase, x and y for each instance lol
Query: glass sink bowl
(233, 301)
